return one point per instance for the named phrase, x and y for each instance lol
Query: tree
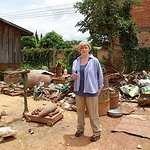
(28, 42)
(50, 40)
(68, 44)
(100, 20)
(37, 37)
(41, 36)
(109, 19)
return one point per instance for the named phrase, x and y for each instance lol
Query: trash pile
(134, 86)
(11, 89)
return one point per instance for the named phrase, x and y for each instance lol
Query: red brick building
(141, 14)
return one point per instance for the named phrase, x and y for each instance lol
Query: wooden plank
(10, 43)
(49, 120)
(1, 43)
(18, 47)
(134, 126)
(5, 44)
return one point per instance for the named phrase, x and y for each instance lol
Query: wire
(51, 7)
(52, 11)
(41, 12)
(45, 15)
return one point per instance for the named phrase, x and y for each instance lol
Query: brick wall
(144, 39)
(117, 57)
(141, 13)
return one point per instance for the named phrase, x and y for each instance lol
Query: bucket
(104, 102)
(114, 100)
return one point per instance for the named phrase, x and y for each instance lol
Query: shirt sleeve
(100, 75)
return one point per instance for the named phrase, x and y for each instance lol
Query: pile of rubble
(132, 86)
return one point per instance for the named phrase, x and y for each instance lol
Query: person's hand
(99, 91)
(75, 76)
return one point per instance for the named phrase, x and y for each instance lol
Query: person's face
(84, 50)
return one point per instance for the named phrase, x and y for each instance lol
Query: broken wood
(144, 100)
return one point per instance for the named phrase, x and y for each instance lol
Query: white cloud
(63, 24)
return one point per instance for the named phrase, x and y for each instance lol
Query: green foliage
(102, 61)
(69, 56)
(26, 66)
(143, 59)
(95, 51)
(129, 43)
(108, 19)
(128, 37)
(68, 44)
(36, 37)
(28, 42)
(41, 36)
(37, 57)
(50, 40)
(100, 19)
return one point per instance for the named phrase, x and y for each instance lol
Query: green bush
(143, 55)
(37, 57)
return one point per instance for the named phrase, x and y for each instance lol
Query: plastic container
(65, 71)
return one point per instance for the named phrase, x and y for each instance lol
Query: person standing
(88, 83)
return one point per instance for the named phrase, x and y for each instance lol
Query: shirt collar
(90, 57)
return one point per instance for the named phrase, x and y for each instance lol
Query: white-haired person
(88, 83)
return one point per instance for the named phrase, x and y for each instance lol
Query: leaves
(51, 39)
(28, 42)
(107, 19)
(37, 57)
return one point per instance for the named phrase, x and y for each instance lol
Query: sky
(44, 16)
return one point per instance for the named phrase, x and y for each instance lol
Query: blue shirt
(93, 76)
(81, 88)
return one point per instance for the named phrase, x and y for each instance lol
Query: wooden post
(24, 77)
(54, 56)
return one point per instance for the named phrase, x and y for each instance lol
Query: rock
(139, 146)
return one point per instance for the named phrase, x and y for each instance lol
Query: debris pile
(12, 89)
(134, 86)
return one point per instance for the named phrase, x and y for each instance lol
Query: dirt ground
(61, 135)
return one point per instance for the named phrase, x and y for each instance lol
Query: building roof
(23, 31)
